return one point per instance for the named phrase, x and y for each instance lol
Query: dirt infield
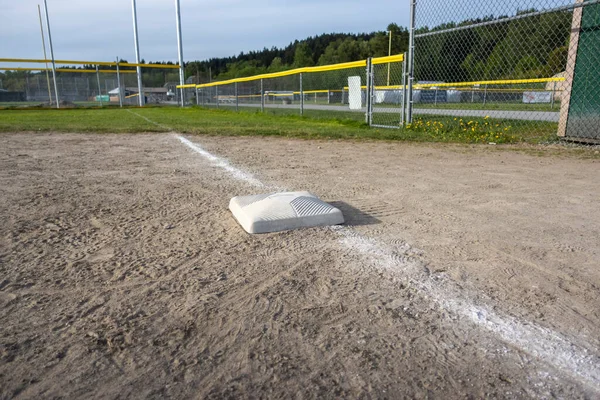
(462, 271)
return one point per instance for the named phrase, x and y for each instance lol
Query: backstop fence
(86, 83)
(534, 62)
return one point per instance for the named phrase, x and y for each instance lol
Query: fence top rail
(322, 68)
(72, 62)
(497, 82)
(68, 70)
(388, 59)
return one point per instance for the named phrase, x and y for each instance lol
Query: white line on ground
(553, 348)
(547, 345)
(149, 120)
(222, 163)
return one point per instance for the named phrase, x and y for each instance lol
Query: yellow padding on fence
(74, 71)
(323, 68)
(500, 82)
(388, 59)
(132, 95)
(307, 70)
(71, 62)
(457, 84)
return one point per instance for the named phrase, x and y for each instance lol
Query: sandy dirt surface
(462, 272)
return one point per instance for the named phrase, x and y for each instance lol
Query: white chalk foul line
(217, 161)
(149, 120)
(223, 163)
(551, 347)
(545, 344)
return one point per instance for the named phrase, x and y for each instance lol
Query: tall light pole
(180, 51)
(45, 56)
(51, 53)
(389, 54)
(137, 54)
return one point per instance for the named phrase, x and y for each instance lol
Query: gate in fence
(386, 88)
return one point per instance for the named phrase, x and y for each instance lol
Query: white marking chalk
(551, 347)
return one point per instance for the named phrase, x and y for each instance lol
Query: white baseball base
(276, 212)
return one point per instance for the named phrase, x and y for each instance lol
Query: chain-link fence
(528, 65)
(86, 84)
(351, 90)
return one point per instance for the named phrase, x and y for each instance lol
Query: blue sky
(102, 30)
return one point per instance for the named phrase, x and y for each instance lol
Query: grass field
(274, 122)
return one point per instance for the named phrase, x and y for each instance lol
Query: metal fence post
(237, 98)
(553, 94)
(197, 96)
(262, 96)
(99, 87)
(368, 91)
(411, 61)
(329, 96)
(485, 94)
(119, 84)
(301, 96)
(402, 117)
(217, 95)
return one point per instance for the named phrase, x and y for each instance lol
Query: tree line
(531, 47)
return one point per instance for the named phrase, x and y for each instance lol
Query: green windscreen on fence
(584, 111)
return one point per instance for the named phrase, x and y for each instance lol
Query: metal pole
(137, 54)
(389, 54)
(553, 94)
(51, 53)
(485, 94)
(237, 98)
(411, 60)
(99, 87)
(301, 96)
(371, 91)
(197, 98)
(44, 47)
(217, 95)
(435, 97)
(403, 90)
(180, 51)
(368, 93)
(262, 96)
(119, 84)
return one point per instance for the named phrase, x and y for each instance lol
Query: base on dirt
(276, 212)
